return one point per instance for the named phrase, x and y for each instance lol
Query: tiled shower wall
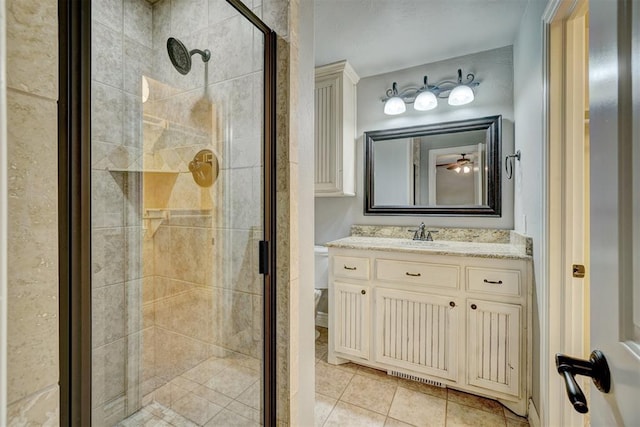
(32, 240)
(165, 299)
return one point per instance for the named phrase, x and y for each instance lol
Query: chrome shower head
(181, 56)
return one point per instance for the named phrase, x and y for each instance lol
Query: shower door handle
(263, 257)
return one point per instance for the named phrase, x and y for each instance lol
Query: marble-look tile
(32, 47)
(275, 13)
(110, 413)
(107, 106)
(252, 396)
(230, 419)
(107, 256)
(417, 408)
(220, 10)
(108, 314)
(232, 40)
(106, 64)
(109, 371)
(344, 414)
(195, 408)
(133, 259)
(109, 13)
(107, 199)
(41, 408)
(440, 392)
(176, 353)
(374, 373)
(369, 393)
(188, 16)
(323, 407)
(138, 19)
(233, 381)
(330, 380)
(517, 423)
(474, 401)
(245, 411)
(459, 415)
(212, 395)
(138, 62)
(391, 422)
(132, 126)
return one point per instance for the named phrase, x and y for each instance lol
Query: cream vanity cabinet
(335, 130)
(459, 321)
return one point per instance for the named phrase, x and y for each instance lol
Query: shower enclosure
(171, 280)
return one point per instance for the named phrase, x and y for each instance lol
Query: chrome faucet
(419, 234)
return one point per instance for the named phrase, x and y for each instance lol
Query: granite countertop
(437, 247)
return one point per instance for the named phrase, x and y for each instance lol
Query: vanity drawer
(351, 267)
(441, 275)
(494, 281)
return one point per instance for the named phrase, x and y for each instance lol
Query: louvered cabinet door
(493, 337)
(352, 318)
(417, 331)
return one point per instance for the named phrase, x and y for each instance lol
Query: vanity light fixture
(425, 98)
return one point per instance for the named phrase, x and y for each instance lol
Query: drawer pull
(413, 274)
(473, 306)
(363, 292)
(350, 268)
(499, 282)
(452, 304)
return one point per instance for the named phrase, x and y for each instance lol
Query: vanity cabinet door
(493, 338)
(417, 331)
(351, 311)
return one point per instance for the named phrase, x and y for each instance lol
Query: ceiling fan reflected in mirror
(463, 164)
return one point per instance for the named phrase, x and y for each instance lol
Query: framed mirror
(450, 169)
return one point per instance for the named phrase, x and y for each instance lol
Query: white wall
(494, 71)
(529, 137)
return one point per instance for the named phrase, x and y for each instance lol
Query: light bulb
(461, 95)
(457, 169)
(394, 105)
(466, 169)
(425, 101)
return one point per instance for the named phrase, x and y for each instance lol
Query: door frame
(74, 211)
(3, 214)
(566, 207)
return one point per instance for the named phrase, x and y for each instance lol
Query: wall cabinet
(335, 130)
(462, 322)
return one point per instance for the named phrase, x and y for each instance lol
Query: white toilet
(321, 265)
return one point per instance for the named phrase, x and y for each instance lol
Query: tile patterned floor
(351, 395)
(217, 392)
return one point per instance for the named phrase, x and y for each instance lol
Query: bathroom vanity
(449, 313)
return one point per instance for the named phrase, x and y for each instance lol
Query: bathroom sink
(422, 244)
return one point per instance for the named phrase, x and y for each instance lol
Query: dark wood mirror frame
(493, 208)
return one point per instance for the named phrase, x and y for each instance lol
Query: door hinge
(578, 271)
(263, 261)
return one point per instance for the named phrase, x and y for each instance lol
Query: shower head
(181, 56)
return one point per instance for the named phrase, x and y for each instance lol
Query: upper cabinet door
(335, 130)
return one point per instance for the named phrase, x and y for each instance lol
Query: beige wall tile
(108, 372)
(39, 409)
(32, 243)
(32, 47)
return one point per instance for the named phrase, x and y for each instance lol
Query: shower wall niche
(177, 298)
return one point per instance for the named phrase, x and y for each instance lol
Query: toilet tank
(321, 265)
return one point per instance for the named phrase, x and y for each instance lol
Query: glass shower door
(178, 212)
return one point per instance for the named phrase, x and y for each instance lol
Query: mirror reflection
(452, 167)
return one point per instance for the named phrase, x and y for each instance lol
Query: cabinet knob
(363, 292)
(473, 306)
(452, 304)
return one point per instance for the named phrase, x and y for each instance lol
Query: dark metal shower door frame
(74, 211)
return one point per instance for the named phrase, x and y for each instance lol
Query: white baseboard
(322, 319)
(534, 418)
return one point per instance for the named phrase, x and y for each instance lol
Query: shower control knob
(363, 292)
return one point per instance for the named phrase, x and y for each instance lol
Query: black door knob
(596, 368)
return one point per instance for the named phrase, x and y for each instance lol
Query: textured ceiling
(379, 36)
